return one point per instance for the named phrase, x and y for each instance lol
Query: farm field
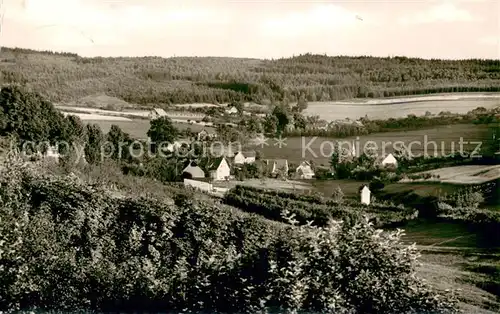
(96, 117)
(139, 128)
(464, 174)
(399, 108)
(267, 184)
(296, 149)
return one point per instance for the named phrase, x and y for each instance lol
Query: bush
(67, 245)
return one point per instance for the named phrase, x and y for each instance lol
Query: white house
(219, 169)
(192, 172)
(157, 113)
(247, 158)
(232, 110)
(365, 195)
(389, 160)
(52, 152)
(305, 171)
(276, 165)
(205, 134)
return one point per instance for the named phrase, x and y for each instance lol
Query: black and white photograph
(250, 156)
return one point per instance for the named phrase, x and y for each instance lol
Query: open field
(128, 113)
(401, 107)
(266, 184)
(460, 271)
(97, 117)
(139, 128)
(423, 188)
(320, 149)
(475, 174)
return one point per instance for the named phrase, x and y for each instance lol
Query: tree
(94, 144)
(270, 124)
(282, 115)
(376, 185)
(299, 121)
(120, 142)
(162, 130)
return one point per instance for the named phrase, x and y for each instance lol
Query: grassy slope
(189, 80)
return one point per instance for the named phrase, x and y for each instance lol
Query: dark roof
(195, 171)
(215, 163)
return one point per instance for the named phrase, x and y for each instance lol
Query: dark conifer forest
(145, 80)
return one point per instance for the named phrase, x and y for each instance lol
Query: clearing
(475, 174)
(428, 142)
(400, 107)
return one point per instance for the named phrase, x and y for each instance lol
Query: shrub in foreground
(68, 245)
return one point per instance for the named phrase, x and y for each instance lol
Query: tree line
(154, 80)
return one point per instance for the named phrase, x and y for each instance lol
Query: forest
(63, 77)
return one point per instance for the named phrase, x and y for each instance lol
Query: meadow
(405, 106)
(139, 128)
(447, 139)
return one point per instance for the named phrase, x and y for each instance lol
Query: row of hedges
(66, 245)
(272, 205)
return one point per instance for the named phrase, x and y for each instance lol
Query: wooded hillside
(142, 80)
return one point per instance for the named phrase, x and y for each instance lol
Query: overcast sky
(263, 29)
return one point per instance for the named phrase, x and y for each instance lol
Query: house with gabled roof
(365, 195)
(219, 169)
(157, 113)
(277, 165)
(193, 171)
(232, 110)
(205, 135)
(244, 158)
(389, 161)
(305, 171)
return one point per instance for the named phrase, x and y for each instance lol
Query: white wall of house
(239, 159)
(223, 171)
(204, 186)
(249, 160)
(390, 160)
(365, 196)
(305, 172)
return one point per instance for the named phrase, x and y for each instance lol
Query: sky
(448, 29)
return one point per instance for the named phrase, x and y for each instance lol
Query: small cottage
(389, 160)
(193, 171)
(277, 165)
(205, 135)
(304, 171)
(365, 195)
(157, 113)
(232, 110)
(244, 158)
(219, 169)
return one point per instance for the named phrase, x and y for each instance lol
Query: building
(244, 158)
(232, 110)
(219, 169)
(205, 135)
(304, 171)
(157, 113)
(365, 195)
(192, 172)
(52, 152)
(389, 160)
(274, 166)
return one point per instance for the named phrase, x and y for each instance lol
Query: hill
(63, 77)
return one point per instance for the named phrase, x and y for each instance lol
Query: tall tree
(162, 130)
(94, 144)
(120, 141)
